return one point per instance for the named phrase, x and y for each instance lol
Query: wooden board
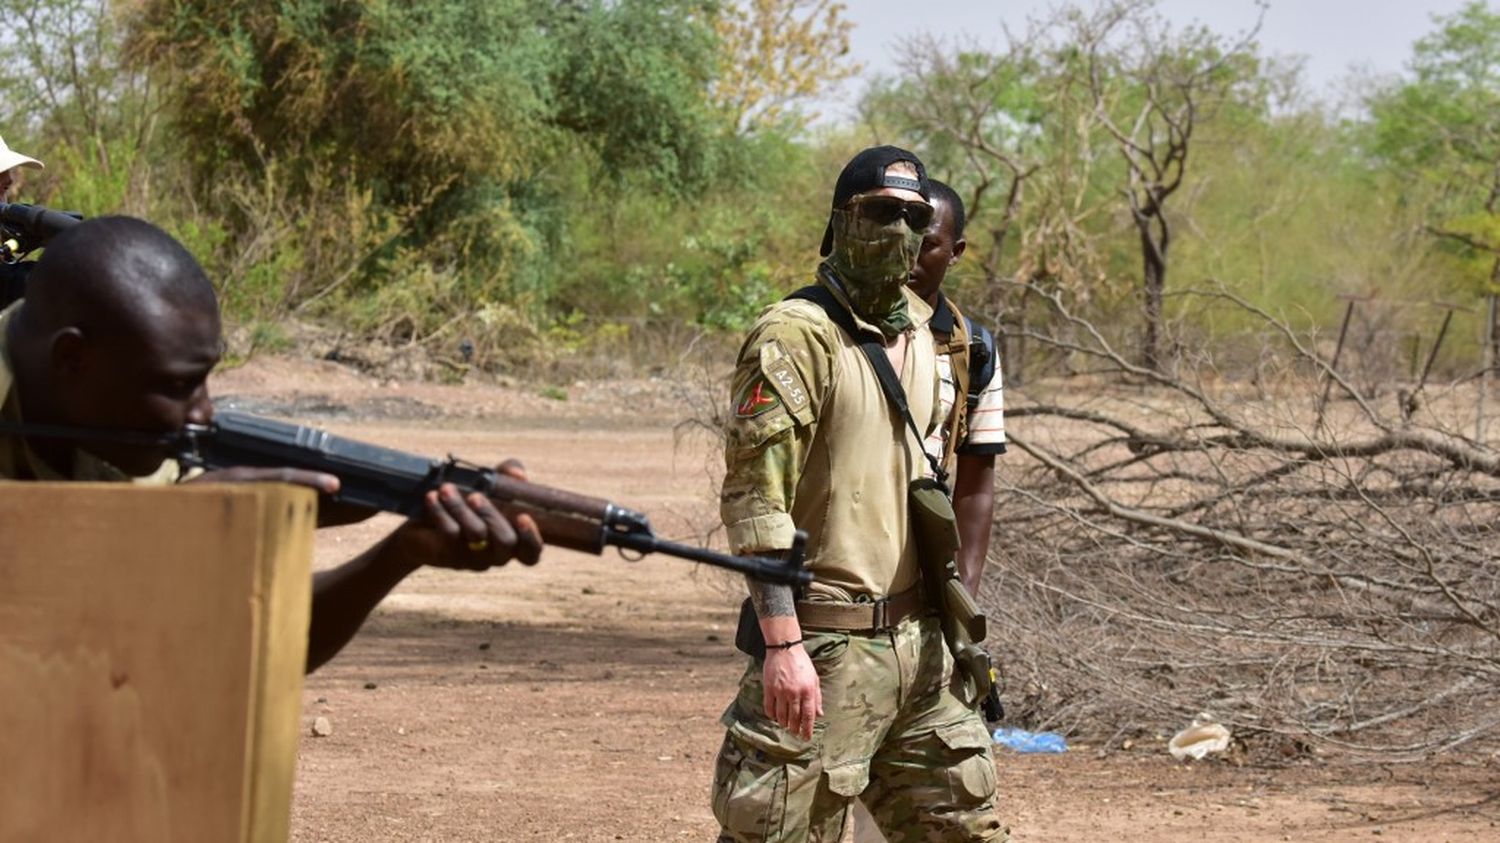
(152, 643)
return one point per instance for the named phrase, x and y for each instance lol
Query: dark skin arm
(974, 504)
(343, 597)
(335, 514)
(455, 531)
(448, 535)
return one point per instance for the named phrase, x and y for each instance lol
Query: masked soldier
(849, 690)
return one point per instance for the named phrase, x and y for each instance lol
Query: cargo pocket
(849, 780)
(761, 781)
(971, 766)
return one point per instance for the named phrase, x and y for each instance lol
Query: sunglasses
(884, 210)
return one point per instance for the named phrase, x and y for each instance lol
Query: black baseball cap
(867, 171)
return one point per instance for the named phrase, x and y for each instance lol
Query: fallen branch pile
(1182, 544)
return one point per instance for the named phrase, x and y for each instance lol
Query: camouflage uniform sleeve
(783, 374)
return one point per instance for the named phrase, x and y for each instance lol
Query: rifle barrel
(760, 567)
(396, 481)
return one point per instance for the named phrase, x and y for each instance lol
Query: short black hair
(115, 272)
(941, 192)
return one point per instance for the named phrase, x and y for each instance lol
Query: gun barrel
(396, 481)
(770, 570)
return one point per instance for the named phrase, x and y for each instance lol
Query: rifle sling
(959, 366)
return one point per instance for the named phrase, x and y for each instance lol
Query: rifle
(396, 481)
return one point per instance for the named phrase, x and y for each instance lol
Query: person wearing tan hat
(11, 164)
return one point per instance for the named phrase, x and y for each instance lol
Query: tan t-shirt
(18, 462)
(813, 443)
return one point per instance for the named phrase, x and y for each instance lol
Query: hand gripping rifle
(396, 481)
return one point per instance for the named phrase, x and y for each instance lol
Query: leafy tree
(1030, 129)
(72, 100)
(997, 128)
(978, 119)
(452, 116)
(776, 53)
(1152, 88)
(1441, 130)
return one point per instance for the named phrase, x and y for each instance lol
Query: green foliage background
(559, 174)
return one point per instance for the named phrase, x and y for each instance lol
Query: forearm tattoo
(771, 600)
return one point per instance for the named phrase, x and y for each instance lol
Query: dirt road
(579, 700)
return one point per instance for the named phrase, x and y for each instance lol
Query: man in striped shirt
(969, 372)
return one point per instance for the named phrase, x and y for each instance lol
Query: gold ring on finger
(478, 545)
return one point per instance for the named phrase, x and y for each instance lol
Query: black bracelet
(786, 645)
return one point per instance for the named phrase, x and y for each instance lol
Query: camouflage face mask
(873, 261)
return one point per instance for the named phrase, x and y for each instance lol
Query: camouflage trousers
(893, 734)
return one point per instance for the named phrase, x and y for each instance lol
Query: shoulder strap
(981, 360)
(890, 384)
(960, 366)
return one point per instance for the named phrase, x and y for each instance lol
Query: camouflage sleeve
(781, 378)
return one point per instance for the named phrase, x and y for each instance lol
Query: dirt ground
(579, 700)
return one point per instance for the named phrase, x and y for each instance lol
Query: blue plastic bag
(1021, 740)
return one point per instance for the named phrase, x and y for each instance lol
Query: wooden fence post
(1488, 356)
(1338, 351)
(1409, 406)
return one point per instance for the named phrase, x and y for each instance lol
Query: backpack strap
(981, 361)
(890, 384)
(959, 365)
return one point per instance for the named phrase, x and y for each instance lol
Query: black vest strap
(981, 360)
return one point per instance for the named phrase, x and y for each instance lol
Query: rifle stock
(397, 481)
